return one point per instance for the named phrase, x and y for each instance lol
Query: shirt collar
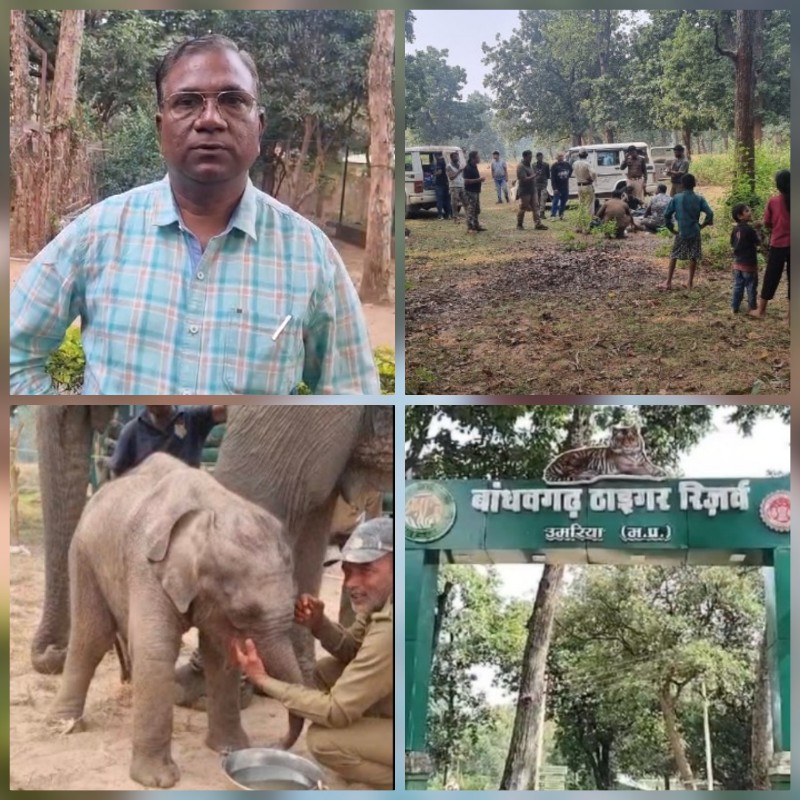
(164, 210)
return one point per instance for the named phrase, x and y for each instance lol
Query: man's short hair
(688, 181)
(679, 147)
(661, 188)
(495, 152)
(631, 148)
(526, 153)
(199, 44)
(473, 154)
(737, 210)
(454, 153)
(540, 154)
(617, 193)
(582, 154)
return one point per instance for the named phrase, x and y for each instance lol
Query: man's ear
(262, 121)
(159, 117)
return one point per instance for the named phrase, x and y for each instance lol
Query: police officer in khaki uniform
(585, 177)
(352, 707)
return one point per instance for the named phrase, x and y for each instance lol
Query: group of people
(352, 700)
(459, 187)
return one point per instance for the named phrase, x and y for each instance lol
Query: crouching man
(352, 707)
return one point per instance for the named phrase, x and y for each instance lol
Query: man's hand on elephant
(309, 611)
(248, 660)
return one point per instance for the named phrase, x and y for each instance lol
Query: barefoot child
(744, 241)
(777, 220)
(686, 208)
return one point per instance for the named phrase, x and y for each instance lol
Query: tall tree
(529, 719)
(747, 24)
(435, 112)
(377, 255)
(63, 105)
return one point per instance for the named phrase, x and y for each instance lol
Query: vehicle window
(608, 158)
(409, 162)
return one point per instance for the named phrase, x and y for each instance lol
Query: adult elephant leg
(64, 438)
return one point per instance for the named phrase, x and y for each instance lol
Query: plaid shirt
(159, 320)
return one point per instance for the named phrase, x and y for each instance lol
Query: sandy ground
(99, 757)
(380, 318)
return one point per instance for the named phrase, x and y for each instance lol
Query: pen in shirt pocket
(281, 327)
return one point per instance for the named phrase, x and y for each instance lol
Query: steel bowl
(267, 769)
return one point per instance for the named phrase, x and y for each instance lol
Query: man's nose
(210, 115)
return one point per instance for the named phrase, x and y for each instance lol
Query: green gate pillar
(778, 596)
(422, 568)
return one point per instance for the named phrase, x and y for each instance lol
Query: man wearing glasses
(199, 283)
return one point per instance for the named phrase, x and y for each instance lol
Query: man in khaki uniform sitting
(352, 706)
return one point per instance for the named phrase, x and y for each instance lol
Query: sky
(462, 33)
(724, 453)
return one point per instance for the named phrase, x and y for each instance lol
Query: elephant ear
(177, 549)
(176, 524)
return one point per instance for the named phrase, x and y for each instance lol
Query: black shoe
(480, 228)
(540, 227)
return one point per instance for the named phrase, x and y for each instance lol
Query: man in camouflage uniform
(352, 707)
(472, 191)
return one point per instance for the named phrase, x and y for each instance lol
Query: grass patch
(558, 312)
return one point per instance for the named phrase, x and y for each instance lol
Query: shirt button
(193, 329)
(200, 276)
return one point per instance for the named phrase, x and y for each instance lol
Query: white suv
(420, 164)
(608, 162)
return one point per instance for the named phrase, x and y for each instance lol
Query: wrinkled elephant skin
(160, 550)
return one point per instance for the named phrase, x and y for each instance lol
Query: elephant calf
(160, 550)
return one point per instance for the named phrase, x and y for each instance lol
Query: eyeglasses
(231, 104)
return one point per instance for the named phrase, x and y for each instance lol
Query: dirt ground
(380, 318)
(557, 312)
(99, 757)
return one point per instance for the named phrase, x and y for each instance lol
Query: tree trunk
(522, 750)
(63, 102)
(687, 141)
(527, 730)
(676, 743)
(745, 79)
(378, 253)
(760, 734)
(20, 94)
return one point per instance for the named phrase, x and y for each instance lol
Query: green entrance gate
(610, 521)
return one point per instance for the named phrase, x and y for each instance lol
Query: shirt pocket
(257, 361)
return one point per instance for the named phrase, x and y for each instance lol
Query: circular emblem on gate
(430, 511)
(776, 511)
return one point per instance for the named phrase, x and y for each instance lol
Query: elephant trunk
(281, 662)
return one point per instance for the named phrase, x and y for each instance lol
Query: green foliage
(622, 634)
(384, 361)
(65, 365)
(570, 243)
(481, 629)
(435, 112)
(131, 154)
